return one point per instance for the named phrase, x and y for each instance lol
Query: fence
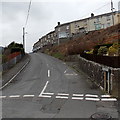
(112, 61)
(10, 63)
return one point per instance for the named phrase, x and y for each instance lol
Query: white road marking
(48, 73)
(28, 95)
(44, 88)
(61, 97)
(75, 74)
(14, 96)
(64, 94)
(69, 74)
(89, 95)
(65, 71)
(2, 96)
(92, 99)
(105, 96)
(78, 95)
(46, 96)
(77, 98)
(108, 99)
(14, 76)
(48, 93)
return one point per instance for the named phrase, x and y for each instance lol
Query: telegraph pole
(24, 38)
(112, 11)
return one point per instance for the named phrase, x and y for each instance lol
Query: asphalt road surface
(48, 88)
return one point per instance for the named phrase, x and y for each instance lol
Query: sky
(43, 17)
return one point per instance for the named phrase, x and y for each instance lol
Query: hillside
(88, 41)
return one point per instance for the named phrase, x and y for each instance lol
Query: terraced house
(67, 31)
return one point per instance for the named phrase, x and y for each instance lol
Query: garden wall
(107, 78)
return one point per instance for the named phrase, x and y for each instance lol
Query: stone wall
(107, 78)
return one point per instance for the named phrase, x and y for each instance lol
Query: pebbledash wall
(107, 78)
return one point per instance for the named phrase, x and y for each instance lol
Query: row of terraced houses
(70, 30)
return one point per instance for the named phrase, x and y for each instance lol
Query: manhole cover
(100, 116)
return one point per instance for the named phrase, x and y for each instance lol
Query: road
(48, 88)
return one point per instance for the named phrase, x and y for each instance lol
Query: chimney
(92, 15)
(58, 23)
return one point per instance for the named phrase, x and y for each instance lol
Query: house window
(97, 20)
(97, 26)
(67, 27)
(108, 18)
(48, 36)
(85, 22)
(58, 29)
(102, 26)
(108, 24)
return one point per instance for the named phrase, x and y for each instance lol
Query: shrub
(113, 50)
(102, 50)
(90, 52)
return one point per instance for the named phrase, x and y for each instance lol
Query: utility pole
(112, 11)
(24, 38)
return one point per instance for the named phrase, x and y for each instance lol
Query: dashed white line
(2, 96)
(61, 97)
(14, 96)
(108, 99)
(46, 96)
(92, 99)
(48, 73)
(77, 98)
(79, 95)
(28, 95)
(105, 96)
(63, 94)
(89, 95)
(48, 93)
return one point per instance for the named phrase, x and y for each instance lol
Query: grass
(58, 55)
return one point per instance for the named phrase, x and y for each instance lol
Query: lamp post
(24, 38)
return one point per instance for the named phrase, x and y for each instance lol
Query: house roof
(105, 14)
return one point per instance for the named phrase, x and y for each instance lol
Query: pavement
(14, 70)
(49, 88)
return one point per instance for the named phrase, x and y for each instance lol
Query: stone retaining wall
(107, 78)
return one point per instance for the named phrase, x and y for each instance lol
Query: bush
(90, 52)
(102, 50)
(113, 50)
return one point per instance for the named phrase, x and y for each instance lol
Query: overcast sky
(44, 15)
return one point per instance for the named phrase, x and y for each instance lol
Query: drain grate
(100, 116)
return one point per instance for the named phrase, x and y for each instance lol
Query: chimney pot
(92, 15)
(58, 23)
